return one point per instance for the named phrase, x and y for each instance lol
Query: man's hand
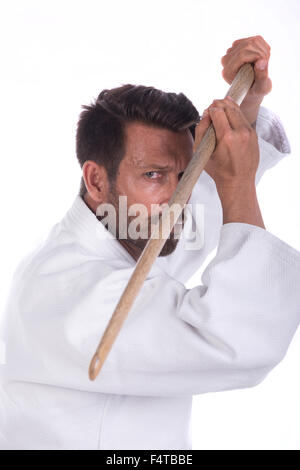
(254, 50)
(234, 161)
(236, 156)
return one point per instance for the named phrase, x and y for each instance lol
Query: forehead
(149, 144)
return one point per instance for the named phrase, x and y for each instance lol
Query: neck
(132, 249)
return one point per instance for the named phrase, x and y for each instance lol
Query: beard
(145, 228)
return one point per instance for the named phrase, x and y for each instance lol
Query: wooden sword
(161, 230)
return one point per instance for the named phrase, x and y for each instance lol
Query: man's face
(153, 164)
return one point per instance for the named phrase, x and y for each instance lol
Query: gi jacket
(226, 333)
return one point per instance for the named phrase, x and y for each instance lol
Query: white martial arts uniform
(227, 333)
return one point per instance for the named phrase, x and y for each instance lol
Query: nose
(172, 185)
(173, 181)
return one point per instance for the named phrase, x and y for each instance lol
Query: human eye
(150, 173)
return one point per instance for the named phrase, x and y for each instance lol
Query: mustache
(152, 226)
(136, 221)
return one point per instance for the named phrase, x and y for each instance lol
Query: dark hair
(100, 129)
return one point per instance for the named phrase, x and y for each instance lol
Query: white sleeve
(227, 333)
(273, 142)
(182, 264)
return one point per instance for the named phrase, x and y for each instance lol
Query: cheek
(139, 190)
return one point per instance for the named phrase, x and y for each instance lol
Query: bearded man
(227, 333)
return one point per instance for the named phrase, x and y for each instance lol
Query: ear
(96, 181)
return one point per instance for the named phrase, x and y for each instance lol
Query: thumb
(261, 75)
(261, 67)
(201, 128)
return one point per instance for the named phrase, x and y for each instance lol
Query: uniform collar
(90, 231)
(83, 223)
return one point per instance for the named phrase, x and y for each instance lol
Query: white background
(58, 55)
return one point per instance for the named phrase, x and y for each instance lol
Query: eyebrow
(156, 166)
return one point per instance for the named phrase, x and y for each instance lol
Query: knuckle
(224, 60)
(216, 103)
(234, 105)
(245, 134)
(231, 103)
(228, 137)
(253, 42)
(247, 51)
(243, 54)
(224, 103)
(227, 75)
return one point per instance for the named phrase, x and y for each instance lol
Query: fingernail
(261, 64)
(231, 99)
(205, 113)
